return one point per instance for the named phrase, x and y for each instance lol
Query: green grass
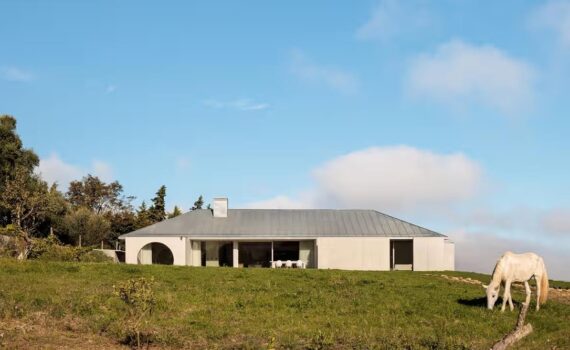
(258, 308)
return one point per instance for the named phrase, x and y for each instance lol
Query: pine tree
(175, 212)
(199, 203)
(143, 218)
(157, 211)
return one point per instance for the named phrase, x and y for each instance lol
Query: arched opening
(155, 253)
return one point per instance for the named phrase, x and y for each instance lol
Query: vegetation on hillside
(89, 211)
(262, 308)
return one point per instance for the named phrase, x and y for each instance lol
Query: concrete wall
(347, 253)
(353, 253)
(449, 259)
(429, 254)
(196, 256)
(177, 246)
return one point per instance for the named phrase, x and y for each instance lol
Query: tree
(12, 153)
(26, 198)
(55, 210)
(199, 203)
(143, 217)
(98, 196)
(122, 222)
(82, 222)
(12, 157)
(175, 212)
(157, 211)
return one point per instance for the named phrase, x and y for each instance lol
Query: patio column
(235, 254)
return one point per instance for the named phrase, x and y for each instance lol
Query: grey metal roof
(286, 223)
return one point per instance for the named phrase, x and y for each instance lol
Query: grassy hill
(63, 305)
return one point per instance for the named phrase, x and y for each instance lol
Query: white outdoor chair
(279, 264)
(288, 264)
(300, 264)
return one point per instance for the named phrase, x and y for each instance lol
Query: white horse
(517, 268)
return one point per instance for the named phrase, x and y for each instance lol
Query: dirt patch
(39, 331)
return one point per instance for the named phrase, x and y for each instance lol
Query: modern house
(320, 238)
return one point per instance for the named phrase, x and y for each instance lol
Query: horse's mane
(497, 275)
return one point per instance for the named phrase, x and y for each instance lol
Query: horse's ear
(485, 286)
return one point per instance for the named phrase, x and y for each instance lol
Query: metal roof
(286, 223)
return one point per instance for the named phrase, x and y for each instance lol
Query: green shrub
(51, 249)
(95, 256)
(11, 241)
(138, 295)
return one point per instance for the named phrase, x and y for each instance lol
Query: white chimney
(220, 207)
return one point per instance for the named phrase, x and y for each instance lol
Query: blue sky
(451, 114)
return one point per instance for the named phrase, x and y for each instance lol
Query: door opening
(401, 254)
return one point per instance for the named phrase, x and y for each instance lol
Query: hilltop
(62, 305)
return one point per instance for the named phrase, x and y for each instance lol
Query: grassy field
(67, 305)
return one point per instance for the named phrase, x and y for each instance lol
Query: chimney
(220, 207)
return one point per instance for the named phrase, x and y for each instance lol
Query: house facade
(319, 238)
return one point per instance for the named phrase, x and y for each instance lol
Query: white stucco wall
(353, 253)
(449, 259)
(177, 246)
(429, 254)
(347, 253)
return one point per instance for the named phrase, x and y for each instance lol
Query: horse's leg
(506, 294)
(527, 288)
(511, 301)
(538, 291)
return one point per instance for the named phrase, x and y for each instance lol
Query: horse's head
(492, 295)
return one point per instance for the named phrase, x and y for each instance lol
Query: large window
(255, 254)
(286, 250)
(216, 253)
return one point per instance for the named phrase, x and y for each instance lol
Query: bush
(11, 242)
(51, 249)
(95, 256)
(137, 293)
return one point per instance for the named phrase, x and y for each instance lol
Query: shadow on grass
(477, 302)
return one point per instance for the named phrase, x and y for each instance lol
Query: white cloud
(554, 16)
(54, 169)
(398, 178)
(15, 74)
(391, 18)
(477, 251)
(458, 73)
(335, 78)
(242, 104)
(392, 179)
(102, 170)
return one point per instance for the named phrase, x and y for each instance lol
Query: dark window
(255, 254)
(286, 251)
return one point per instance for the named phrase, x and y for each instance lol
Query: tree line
(89, 212)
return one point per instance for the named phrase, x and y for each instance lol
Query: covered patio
(253, 253)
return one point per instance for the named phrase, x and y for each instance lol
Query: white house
(320, 238)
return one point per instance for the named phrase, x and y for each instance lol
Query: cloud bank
(392, 179)
(54, 170)
(459, 73)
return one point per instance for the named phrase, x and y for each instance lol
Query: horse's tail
(543, 284)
